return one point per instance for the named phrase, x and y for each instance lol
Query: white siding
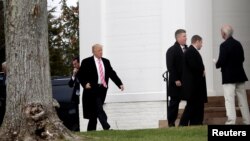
(132, 43)
(136, 35)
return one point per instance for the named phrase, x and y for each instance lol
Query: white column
(172, 18)
(91, 22)
(235, 13)
(91, 32)
(199, 21)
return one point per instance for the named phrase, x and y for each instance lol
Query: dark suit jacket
(193, 81)
(89, 74)
(76, 86)
(2, 96)
(174, 59)
(231, 58)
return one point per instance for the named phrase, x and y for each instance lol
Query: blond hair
(96, 46)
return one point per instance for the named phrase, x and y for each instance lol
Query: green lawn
(192, 133)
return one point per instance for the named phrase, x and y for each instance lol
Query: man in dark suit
(194, 89)
(74, 82)
(95, 72)
(174, 60)
(231, 58)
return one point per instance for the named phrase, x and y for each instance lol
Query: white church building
(136, 35)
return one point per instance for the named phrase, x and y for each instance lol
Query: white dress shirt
(98, 70)
(183, 48)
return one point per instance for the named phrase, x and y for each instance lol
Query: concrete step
(220, 121)
(164, 123)
(218, 112)
(215, 112)
(207, 121)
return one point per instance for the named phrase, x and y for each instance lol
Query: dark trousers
(2, 110)
(173, 109)
(193, 113)
(101, 115)
(76, 126)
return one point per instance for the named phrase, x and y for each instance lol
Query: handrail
(165, 78)
(165, 75)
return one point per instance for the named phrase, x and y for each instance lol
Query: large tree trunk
(2, 44)
(30, 114)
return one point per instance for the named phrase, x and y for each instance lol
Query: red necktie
(101, 73)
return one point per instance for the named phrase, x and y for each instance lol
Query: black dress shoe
(107, 128)
(171, 125)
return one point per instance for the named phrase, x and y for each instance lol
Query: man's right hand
(88, 86)
(178, 83)
(75, 71)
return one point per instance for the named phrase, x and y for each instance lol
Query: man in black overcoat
(95, 72)
(194, 89)
(174, 58)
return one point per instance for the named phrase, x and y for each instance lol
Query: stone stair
(215, 112)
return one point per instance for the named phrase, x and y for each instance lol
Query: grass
(191, 133)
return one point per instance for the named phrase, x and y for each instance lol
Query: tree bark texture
(30, 114)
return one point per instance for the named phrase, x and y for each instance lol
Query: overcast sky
(56, 3)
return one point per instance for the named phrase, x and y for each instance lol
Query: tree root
(40, 125)
(45, 128)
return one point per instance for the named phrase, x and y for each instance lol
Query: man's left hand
(121, 87)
